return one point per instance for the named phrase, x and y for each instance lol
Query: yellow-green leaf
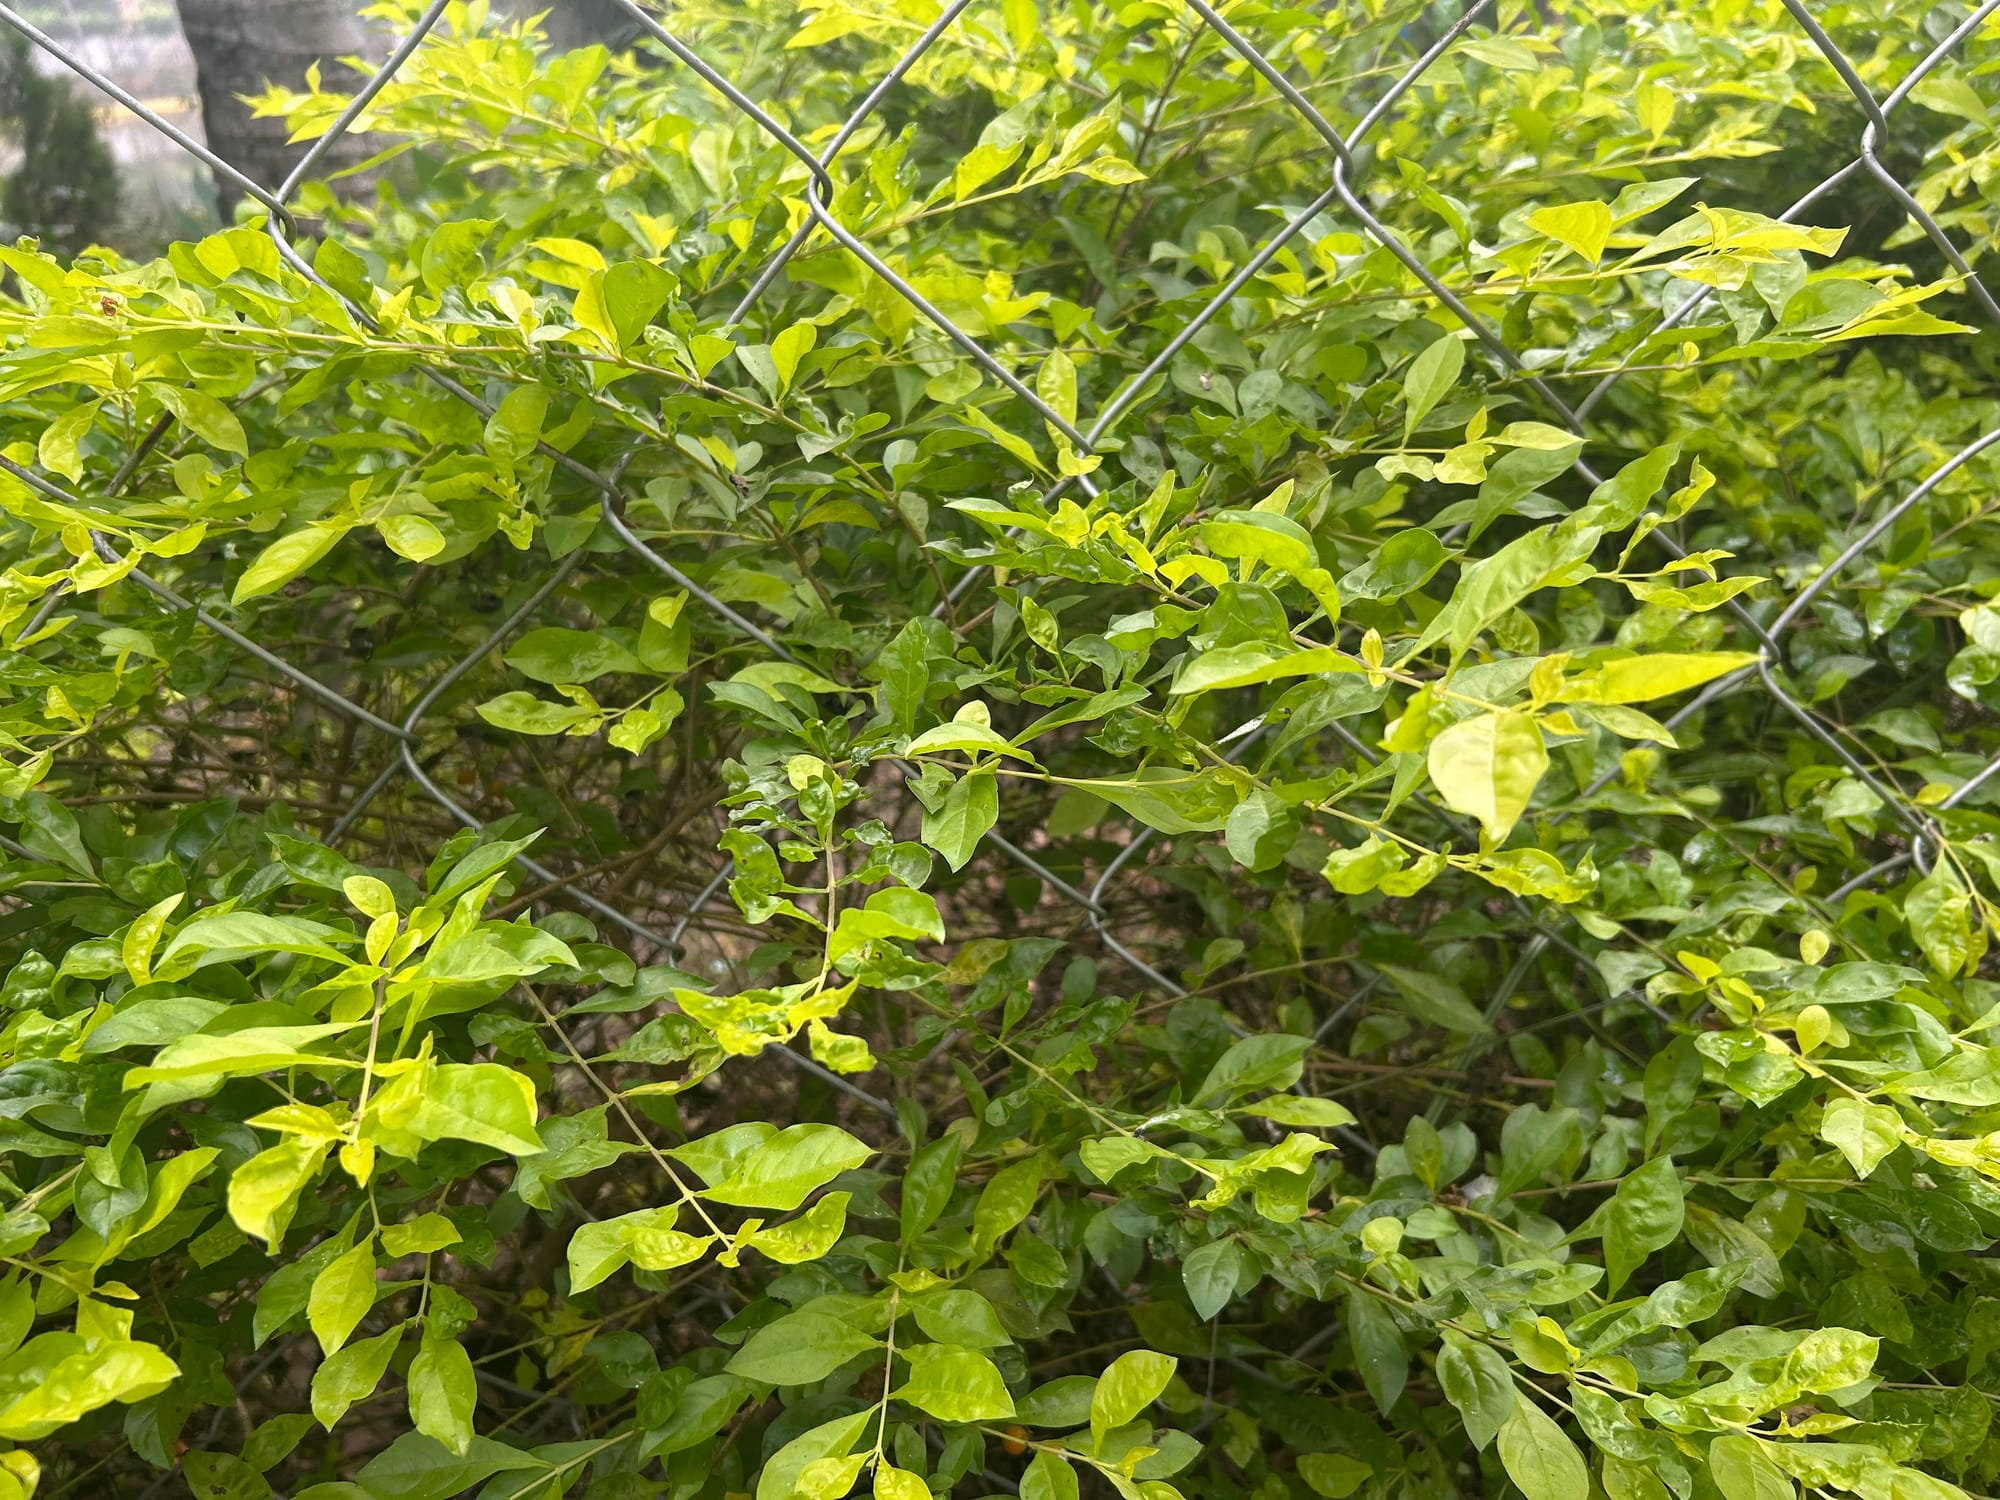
(1863, 1133)
(412, 537)
(1129, 1384)
(788, 348)
(265, 1189)
(144, 935)
(1540, 1458)
(1431, 374)
(1640, 679)
(59, 449)
(341, 1296)
(286, 558)
(1582, 227)
(1488, 767)
(955, 1384)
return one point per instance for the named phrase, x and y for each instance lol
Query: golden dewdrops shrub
(1351, 915)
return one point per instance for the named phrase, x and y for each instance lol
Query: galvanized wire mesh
(1342, 196)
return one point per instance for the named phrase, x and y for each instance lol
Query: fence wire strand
(1343, 189)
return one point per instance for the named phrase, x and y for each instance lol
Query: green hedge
(1347, 931)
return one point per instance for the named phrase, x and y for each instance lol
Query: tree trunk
(578, 23)
(239, 47)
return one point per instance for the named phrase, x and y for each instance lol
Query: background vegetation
(1380, 921)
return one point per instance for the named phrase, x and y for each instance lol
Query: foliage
(64, 188)
(1371, 989)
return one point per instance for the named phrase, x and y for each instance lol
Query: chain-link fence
(1342, 197)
